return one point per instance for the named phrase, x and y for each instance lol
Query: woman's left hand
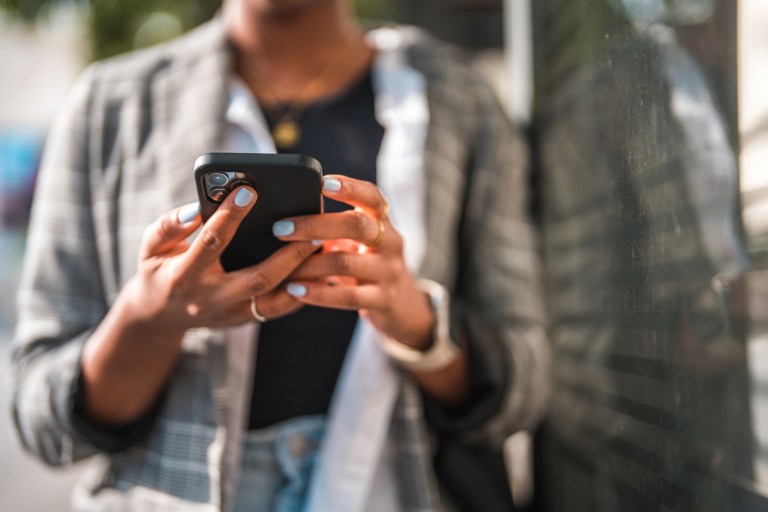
(382, 288)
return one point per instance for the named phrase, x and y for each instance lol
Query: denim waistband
(277, 465)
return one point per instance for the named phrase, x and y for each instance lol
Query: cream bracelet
(443, 350)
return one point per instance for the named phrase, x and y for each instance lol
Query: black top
(300, 355)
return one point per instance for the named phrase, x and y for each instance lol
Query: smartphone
(287, 186)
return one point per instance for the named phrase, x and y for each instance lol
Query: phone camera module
(219, 184)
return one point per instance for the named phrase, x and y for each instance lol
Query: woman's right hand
(178, 285)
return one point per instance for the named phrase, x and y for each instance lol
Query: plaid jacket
(121, 154)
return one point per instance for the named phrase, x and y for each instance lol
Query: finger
(354, 225)
(342, 244)
(339, 280)
(264, 277)
(365, 268)
(219, 230)
(170, 229)
(276, 304)
(339, 297)
(358, 193)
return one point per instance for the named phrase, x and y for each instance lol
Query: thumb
(170, 229)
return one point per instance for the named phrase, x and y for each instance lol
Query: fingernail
(331, 184)
(243, 197)
(283, 228)
(295, 289)
(317, 242)
(188, 213)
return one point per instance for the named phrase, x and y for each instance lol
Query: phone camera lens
(238, 183)
(218, 194)
(217, 179)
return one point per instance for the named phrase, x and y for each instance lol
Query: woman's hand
(382, 288)
(178, 285)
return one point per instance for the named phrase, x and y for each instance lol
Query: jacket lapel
(358, 427)
(196, 94)
(192, 113)
(444, 161)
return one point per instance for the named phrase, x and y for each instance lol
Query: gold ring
(377, 241)
(385, 209)
(255, 312)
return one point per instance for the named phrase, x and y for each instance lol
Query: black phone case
(287, 186)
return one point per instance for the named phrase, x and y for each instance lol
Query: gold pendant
(286, 133)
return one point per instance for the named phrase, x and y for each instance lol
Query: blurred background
(649, 127)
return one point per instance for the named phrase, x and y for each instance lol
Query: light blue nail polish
(317, 242)
(243, 197)
(283, 228)
(331, 184)
(188, 213)
(295, 289)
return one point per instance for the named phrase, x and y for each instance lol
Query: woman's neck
(301, 52)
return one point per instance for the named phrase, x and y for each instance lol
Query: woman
(134, 345)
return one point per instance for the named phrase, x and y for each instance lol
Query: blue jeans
(277, 464)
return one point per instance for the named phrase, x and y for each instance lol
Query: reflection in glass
(646, 263)
(672, 12)
(753, 128)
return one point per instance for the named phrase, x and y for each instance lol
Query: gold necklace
(286, 132)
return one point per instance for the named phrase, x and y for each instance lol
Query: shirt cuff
(488, 377)
(110, 439)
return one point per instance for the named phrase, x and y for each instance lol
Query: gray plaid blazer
(121, 154)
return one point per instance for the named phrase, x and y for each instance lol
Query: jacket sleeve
(497, 307)
(61, 298)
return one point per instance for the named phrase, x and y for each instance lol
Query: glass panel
(753, 128)
(653, 293)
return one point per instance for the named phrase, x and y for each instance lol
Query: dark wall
(473, 24)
